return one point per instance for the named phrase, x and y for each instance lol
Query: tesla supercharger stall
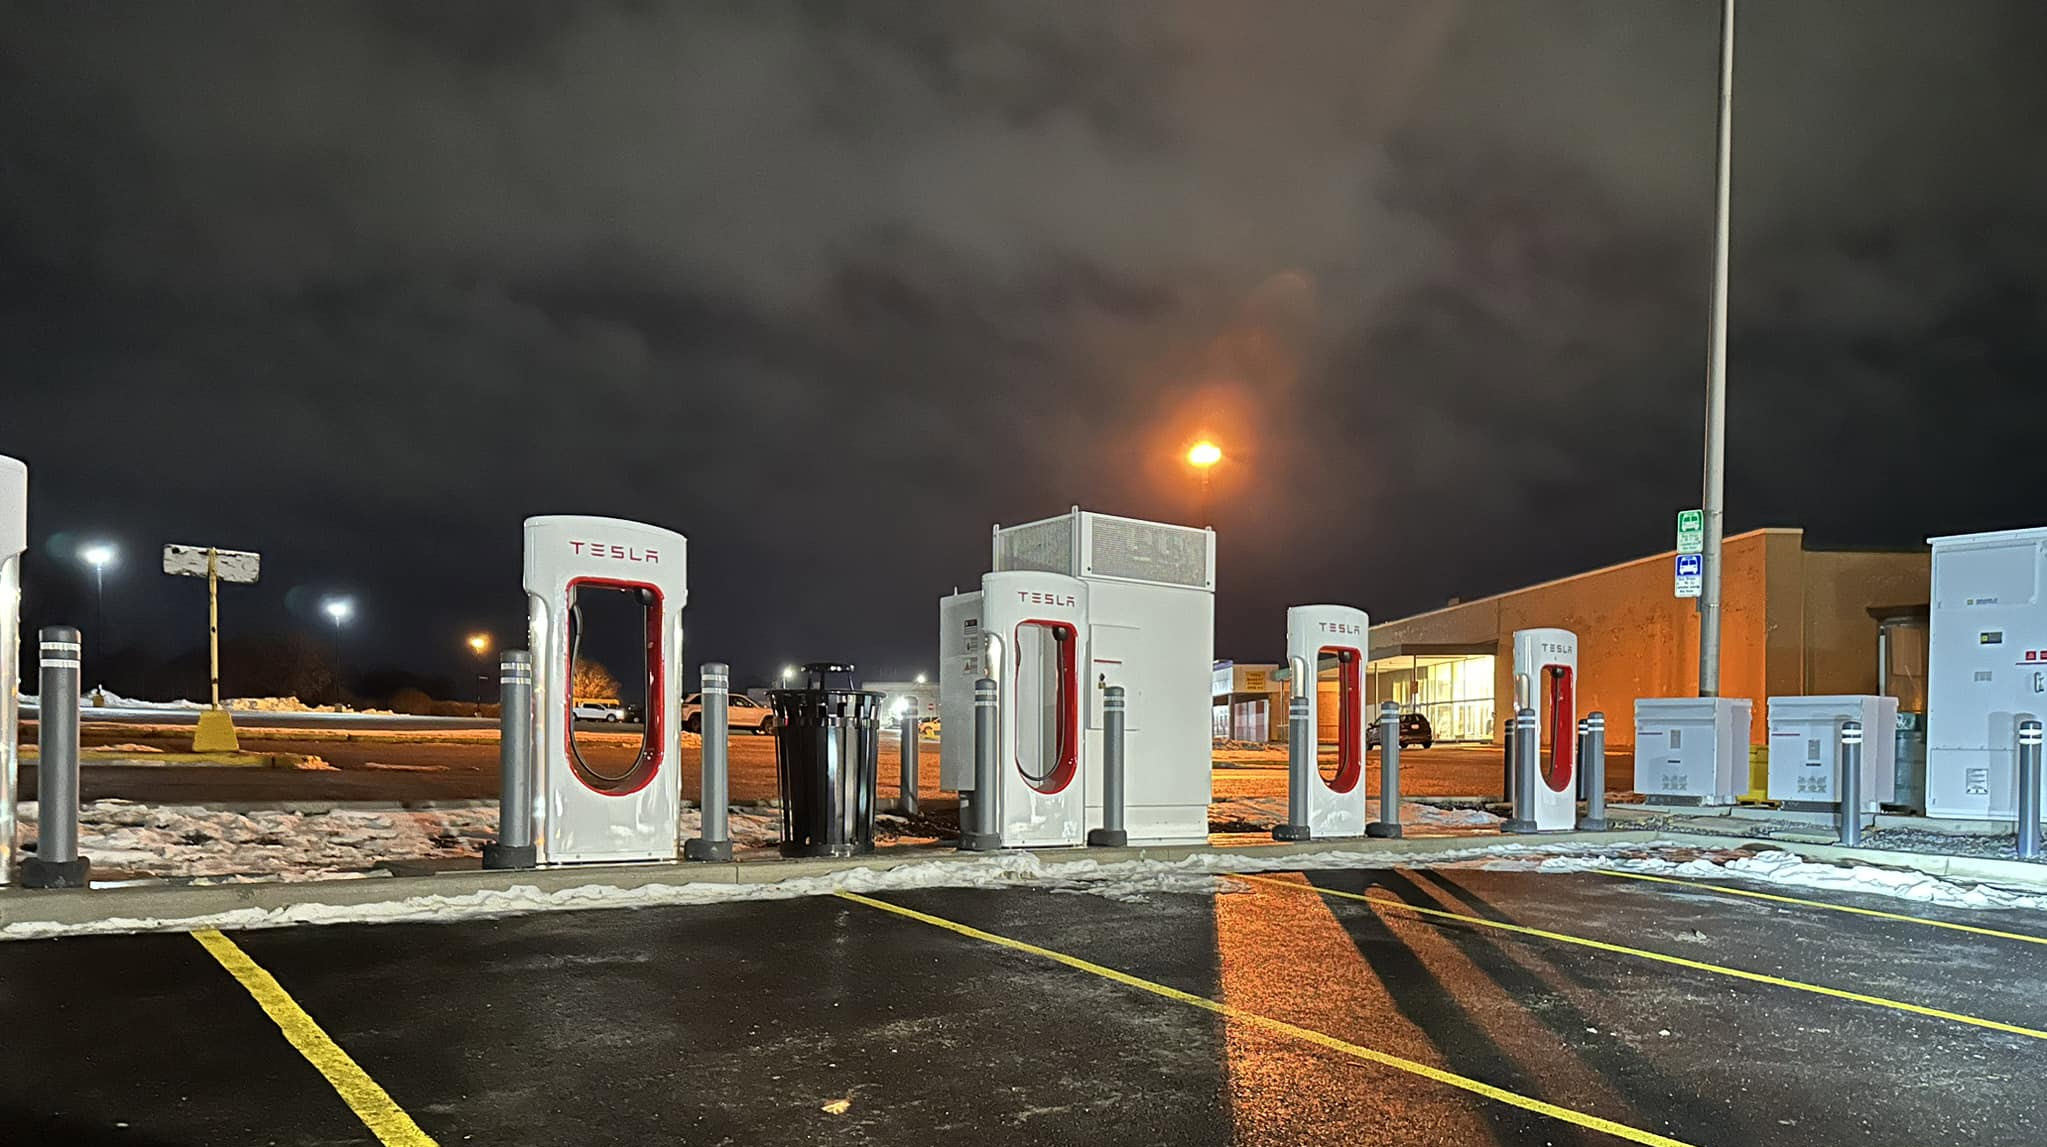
(13, 543)
(1027, 631)
(589, 811)
(1076, 604)
(1545, 679)
(1325, 642)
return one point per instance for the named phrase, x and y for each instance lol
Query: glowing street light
(479, 643)
(920, 679)
(788, 672)
(340, 609)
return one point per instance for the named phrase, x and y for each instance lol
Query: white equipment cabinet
(1692, 750)
(1986, 669)
(13, 543)
(1123, 602)
(1805, 749)
(586, 812)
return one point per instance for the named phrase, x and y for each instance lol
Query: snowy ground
(197, 841)
(1990, 846)
(276, 844)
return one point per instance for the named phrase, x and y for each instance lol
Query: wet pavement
(1266, 1011)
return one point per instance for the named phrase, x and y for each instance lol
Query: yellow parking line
(1659, 957)
(1281, 1027)
(1725, 891)
(378, 1111)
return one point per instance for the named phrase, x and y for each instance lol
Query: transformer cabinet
(1073, 605)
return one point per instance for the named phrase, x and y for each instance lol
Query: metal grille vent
(1147, 551)
(1046, 546)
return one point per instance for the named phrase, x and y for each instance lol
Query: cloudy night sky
(833, 287)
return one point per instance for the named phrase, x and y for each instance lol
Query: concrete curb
(224, 760)
(159, 907)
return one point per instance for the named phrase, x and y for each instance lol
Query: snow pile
(281, 844)
(1788, 869)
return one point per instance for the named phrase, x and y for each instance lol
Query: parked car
(1414, 730)
(741, 712)
(598, 709)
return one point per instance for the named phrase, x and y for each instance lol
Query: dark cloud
(831, 288)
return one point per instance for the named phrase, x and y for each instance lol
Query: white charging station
(1986, 668)
(1546, 680)
(13, 543)
(1329, 643)
(586, 812)
(1075, 604)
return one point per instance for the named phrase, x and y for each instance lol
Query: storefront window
(1454, 692)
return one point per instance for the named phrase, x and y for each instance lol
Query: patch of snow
(1786, 868)
(281, 844)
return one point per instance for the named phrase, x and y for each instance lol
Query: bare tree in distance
(592, 680)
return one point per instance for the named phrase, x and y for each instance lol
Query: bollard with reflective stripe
(1526, 746)
(56, 863)
(1300, 770)
(908, 771)
(1594, 752)
(1388, 824)
(1578, 766)
(514, 847)
(1112, 833)
(1851, 783)
(985, 833)
(2029, 790)
(714, 798)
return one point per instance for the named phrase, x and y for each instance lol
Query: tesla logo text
(614, 552)
(1552, 647)
(1340, 627)
(1033, 597)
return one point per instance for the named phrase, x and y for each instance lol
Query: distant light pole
(1203, 456)
(99, 556)
(479, 644)
(920, 679)
(340, 609)
(1716, 375)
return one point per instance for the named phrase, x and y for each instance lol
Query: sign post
(216, 732)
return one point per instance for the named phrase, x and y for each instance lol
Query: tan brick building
(1797, 621)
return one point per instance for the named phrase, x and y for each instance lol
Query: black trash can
(827, 753)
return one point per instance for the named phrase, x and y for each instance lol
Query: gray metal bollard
(907, 772)
(714, 803)
(2029, 790)
(1851, 783)
(985, 833)
(1578, 764)
(514, 846)
(1527, 746)
(56, 863)
(1300, 771)
(1388, 824)
(1594, 752)
(1112, 833)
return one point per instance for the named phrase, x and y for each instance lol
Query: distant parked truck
(741, 712)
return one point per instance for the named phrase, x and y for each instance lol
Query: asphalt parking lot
(1282, 1009)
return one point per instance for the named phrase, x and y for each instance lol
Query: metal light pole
(98, 555)
(339, 609)
(1203, 456)
(1716, 376)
